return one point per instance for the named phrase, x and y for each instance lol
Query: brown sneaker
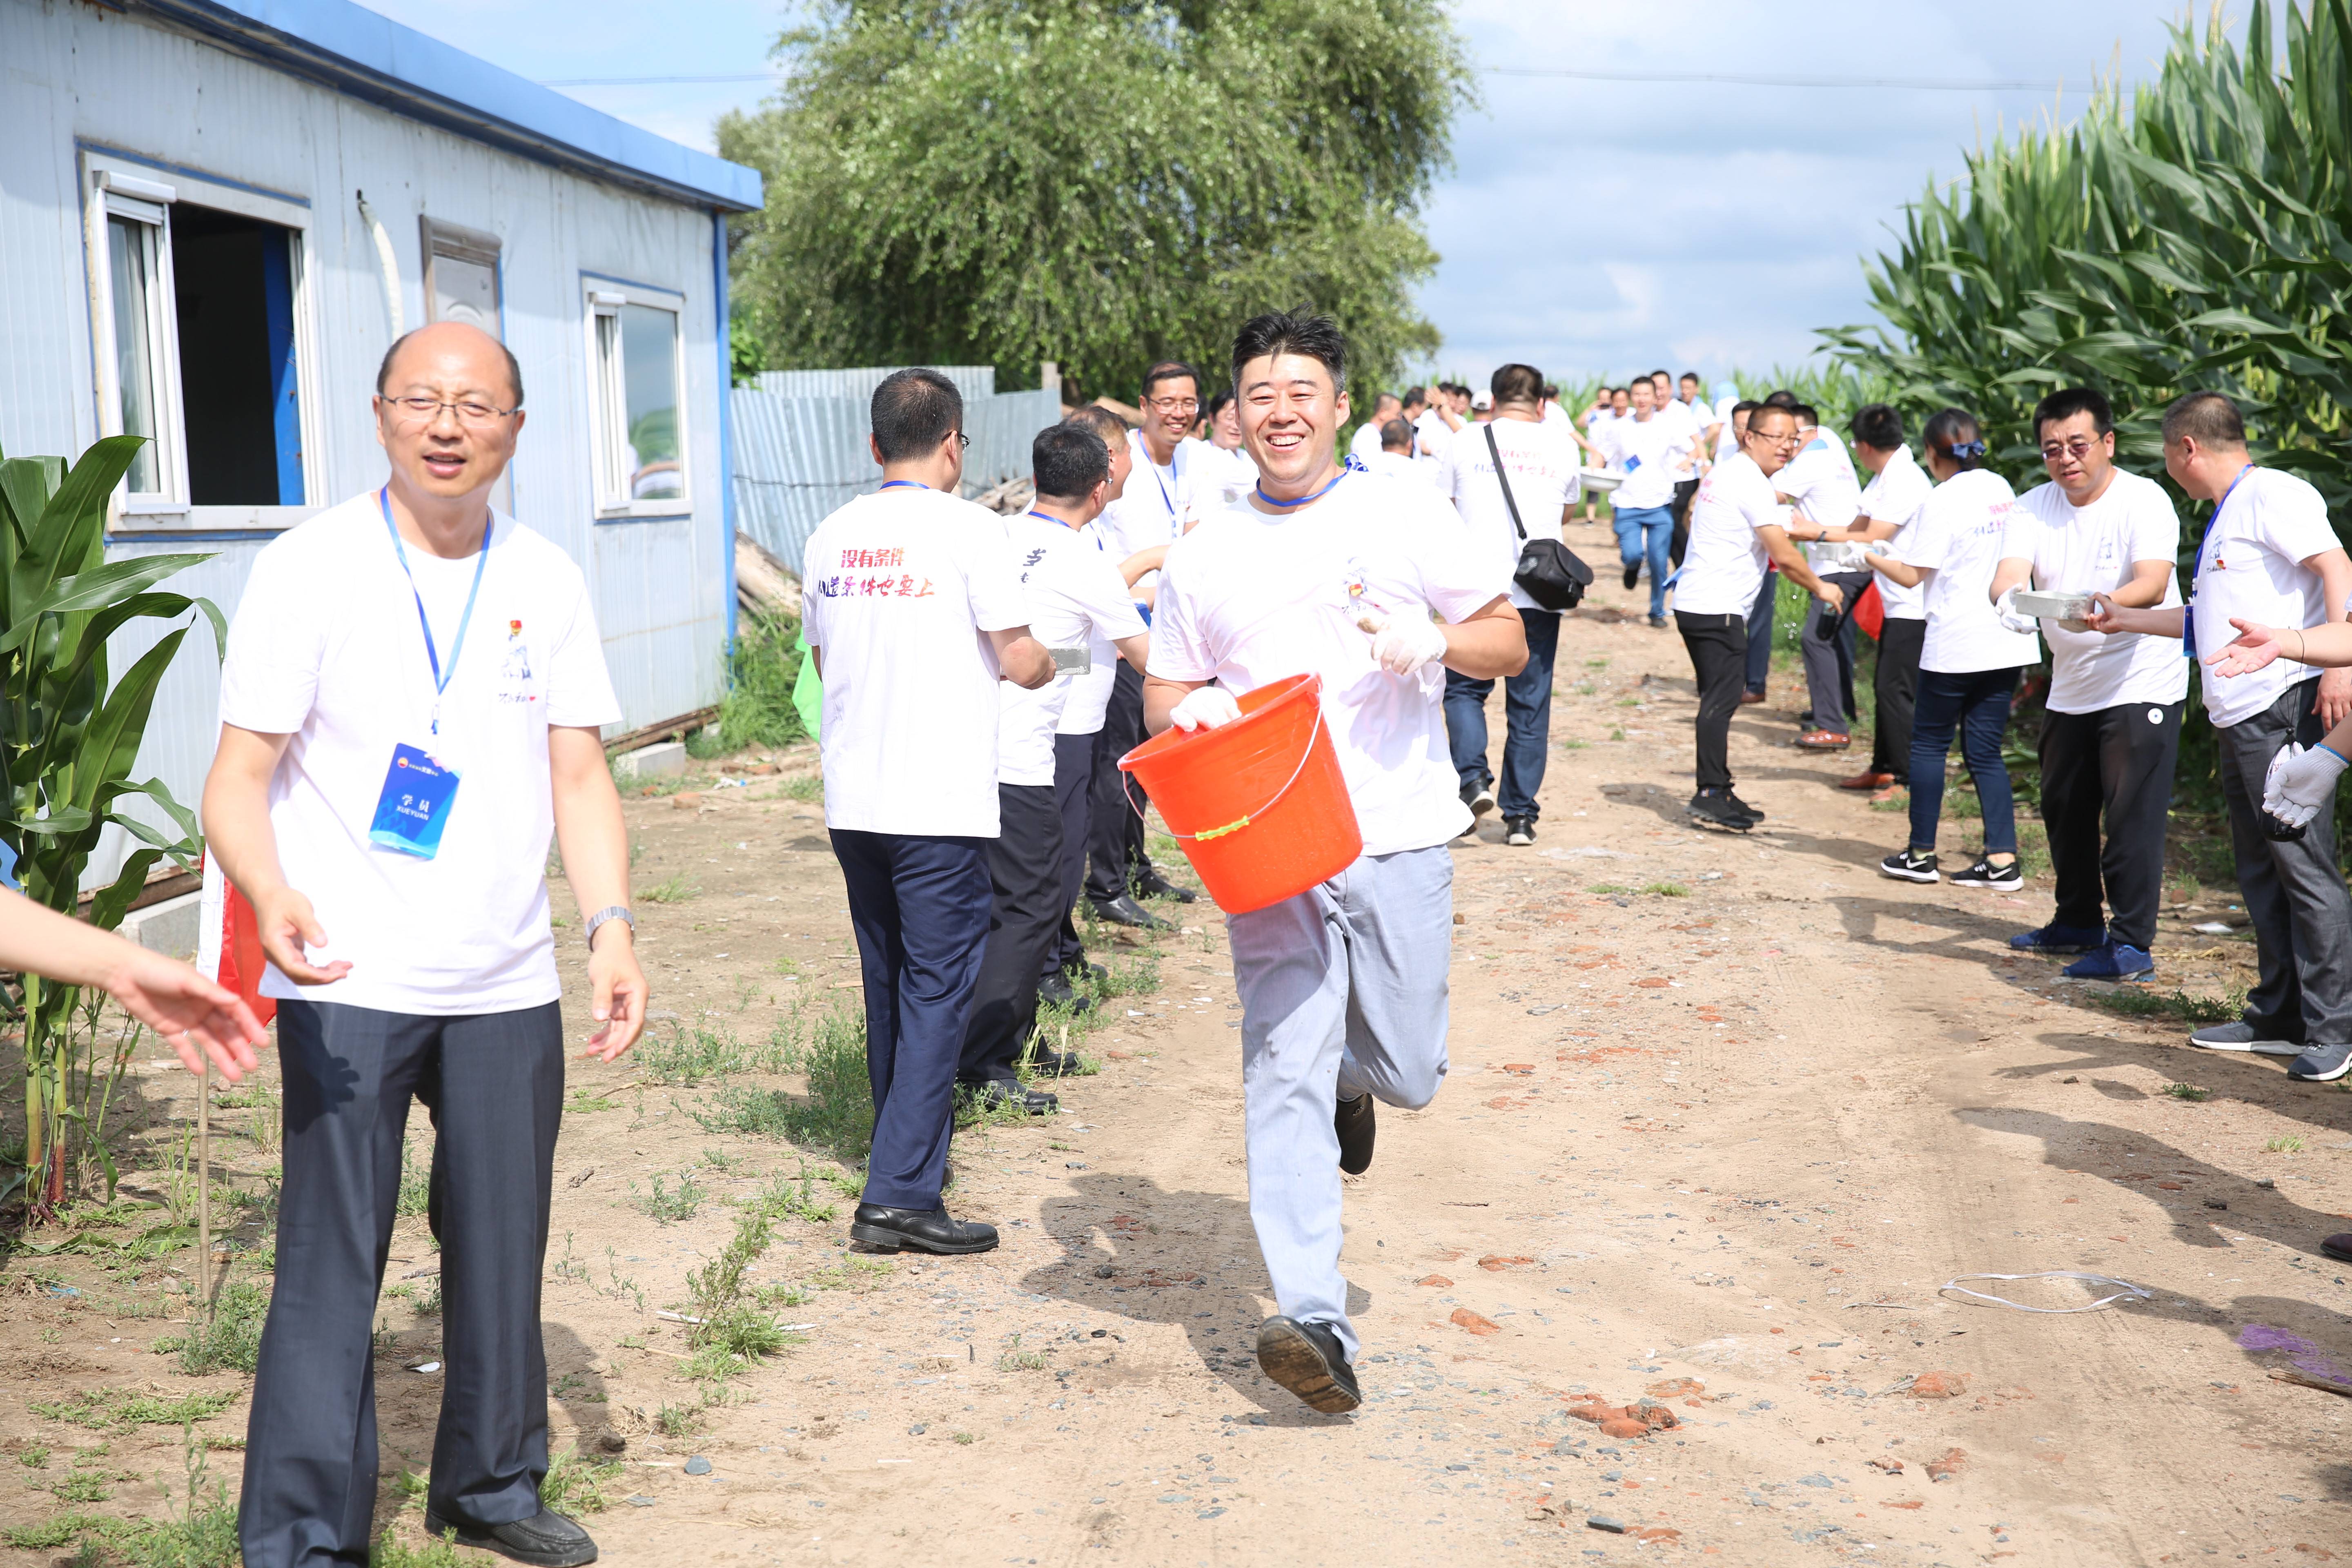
(1867, 780)
(1824, 741)
(1747, 697)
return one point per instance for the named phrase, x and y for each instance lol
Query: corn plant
(68, 737)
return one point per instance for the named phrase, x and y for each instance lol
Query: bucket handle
(1244, 821)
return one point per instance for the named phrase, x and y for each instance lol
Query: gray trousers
(1829, 659)
(2300, 913)
(1343, 993)
(495, 1083)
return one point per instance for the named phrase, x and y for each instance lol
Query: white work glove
(2006, 608)
(1205, 710)
(2300, 784)
(1403, 646)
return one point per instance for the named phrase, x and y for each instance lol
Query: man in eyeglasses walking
(410, 706)
(1151, 512)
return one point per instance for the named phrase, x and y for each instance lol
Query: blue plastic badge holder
(414, 806)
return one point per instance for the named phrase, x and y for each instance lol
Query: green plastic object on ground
(808, 691)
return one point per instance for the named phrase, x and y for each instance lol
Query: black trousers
(1025, 871)
(1761, 617)
(1718, 655)
(2296, 897)
(1896, 686)
(919, 906)
(2114, 763)
(1115, 849)
(496, 1082)
(1678, 539)
(1074, 772)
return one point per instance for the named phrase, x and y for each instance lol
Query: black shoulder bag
(1549, 572)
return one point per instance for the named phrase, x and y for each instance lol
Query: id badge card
(415, 804)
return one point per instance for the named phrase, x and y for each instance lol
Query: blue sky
(1588, 226)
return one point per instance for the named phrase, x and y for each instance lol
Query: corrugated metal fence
(799, 445)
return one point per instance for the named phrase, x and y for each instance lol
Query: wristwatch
(610, 912)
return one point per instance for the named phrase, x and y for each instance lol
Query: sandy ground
(1724, 1115)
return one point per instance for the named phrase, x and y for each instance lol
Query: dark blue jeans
(1527, 708)
(1643, 533)
(1976, 705)
(919, 907)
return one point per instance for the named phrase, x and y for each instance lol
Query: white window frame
(601, 299)
(127, 187)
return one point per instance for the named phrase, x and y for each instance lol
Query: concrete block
(170, 928)
(665, 761)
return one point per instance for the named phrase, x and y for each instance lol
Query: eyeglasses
(2077, 449)
(1173, 405)
(470, 412)
(963, 442)
(1790, 439)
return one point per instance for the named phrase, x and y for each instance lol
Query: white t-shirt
(1545, 477)
(1412, 470)
(1218, 477)
(1895, 495)
(1366, 443)
(2091, 549)
(1723, 564)
(1956, 536)
(1649, 452)
(1553, 414)
(1076, 599)
(1250, 598)
(901, 588)
(2250, 568)
(1090, 699)
(326, 648)
(1679, 415)
(1820, 479)
(1433, 433)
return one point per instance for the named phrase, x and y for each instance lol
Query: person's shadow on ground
(1188, 1259)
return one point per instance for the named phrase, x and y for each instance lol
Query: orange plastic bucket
(1259, 803)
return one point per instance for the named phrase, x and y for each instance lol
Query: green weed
(416, 1179)
(687, 1056)
(2289, 1144)
(761, 668)
(679, 1420)
(2134, 1003)
(584, 1104)
(438, 1551)
(574, 1482)
(82, 1486)
(2187, 1091)
(1667, 890)
(119, 1410)
(664, 1203)
(33, 1459)
(794, 1197)
(731, 1321)
(672, 890)
(805, 789)
(231, 1339)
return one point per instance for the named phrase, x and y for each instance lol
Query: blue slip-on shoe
(2320, 1064)
(2111, 961)
(2055, 938)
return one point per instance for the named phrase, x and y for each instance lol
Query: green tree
(1101, 185)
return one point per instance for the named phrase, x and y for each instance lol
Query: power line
(1903, 83)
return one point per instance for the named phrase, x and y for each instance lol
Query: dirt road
(1724, 1115)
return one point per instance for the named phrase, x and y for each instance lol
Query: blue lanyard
(481, 561)
(910, 484)
(2210, 520)
(1302, 501)
(1049, 517)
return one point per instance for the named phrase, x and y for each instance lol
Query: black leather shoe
(1304, 1359)
(924, 1230)
(1152, 885)
(1055, 991)
(1047, 1062)
(1123, 911)
(551, 1539)
(1354, 1120)
(1012, 1092)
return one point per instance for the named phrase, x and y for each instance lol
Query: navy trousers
(495, 1083)
(1025, 868)
(1074, 773)
(919, 906)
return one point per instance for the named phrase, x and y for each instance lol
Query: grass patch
(2187, 1091)
(794, 1197)
(853, 1274)
(438, 1551)
(1573, 744)
(757, 709)
(82, 1486)
(584, 1104)
(665, 1204)
(2289, 1144)
(121, 1410)
(33, 1459)
(836, 1114)
(671, 890)
(1667, 890)
(679, 1420)
(415, 1180)
(1900, 801)
(689, 1056)
(731, 1321)
(1015, 1359)
(806, 788)
(231, 1340)
(574, 1483)
(2169, 1005)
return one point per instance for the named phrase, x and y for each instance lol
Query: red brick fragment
(1954, 1461)
(1938, 1386)
(1495, 1262)
(1437, 1281)
(1464, 1317)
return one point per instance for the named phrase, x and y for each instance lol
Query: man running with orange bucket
(1370, 585)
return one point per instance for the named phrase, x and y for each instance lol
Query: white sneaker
(2240, 1035)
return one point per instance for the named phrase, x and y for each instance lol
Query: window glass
(131, 247)
(649, 370)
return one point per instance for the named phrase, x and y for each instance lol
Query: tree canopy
(1102, 184)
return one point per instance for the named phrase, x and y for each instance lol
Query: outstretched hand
(2255, 647)
(196, 1017)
